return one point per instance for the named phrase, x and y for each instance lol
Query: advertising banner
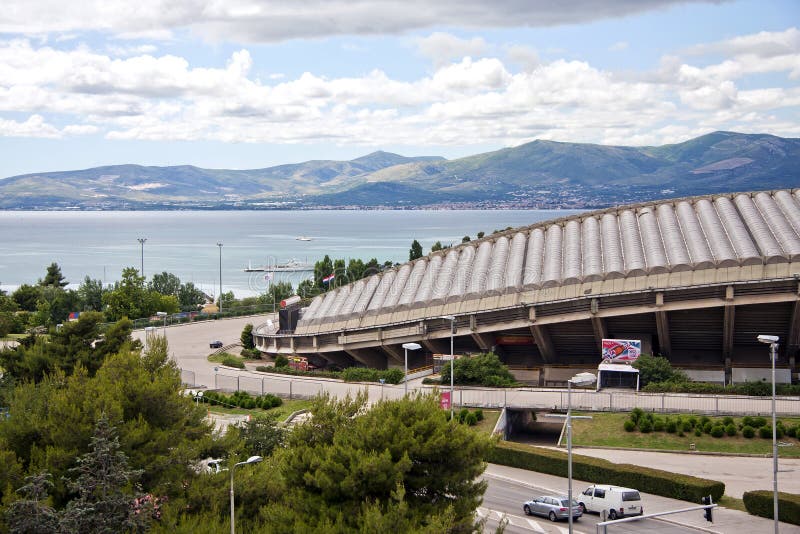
(621, 350)
(444, 400)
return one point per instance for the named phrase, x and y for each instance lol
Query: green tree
(54, 277)
(322, 269)
(226, 300)
(129, 297)
(32, 514)
(190, 298)
(165, 283)
(415, 251)
(247, 336)
(481, 234)
(90, 293)
(27, 297)
(657, 369)
(466, 239)
(348, 465)
(261, 435)
(105, 486)
(355, 270)
(276, 292)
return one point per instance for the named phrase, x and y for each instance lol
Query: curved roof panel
(677, 235)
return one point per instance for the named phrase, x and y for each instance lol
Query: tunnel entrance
(534, 427)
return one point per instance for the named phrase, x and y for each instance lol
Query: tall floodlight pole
(407, 347)
(141, 241)
(220, 276)
(772, 341)
(251, 460)
(452, 319)
(581, 379)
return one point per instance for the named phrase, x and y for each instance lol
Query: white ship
(303, 238)
(291, 266)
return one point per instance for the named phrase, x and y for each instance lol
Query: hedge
(760, 503)
(655, 481)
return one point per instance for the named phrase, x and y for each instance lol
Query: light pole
(772, 341)
(220, 276)
(452, 319)
(251, 460)
(407, 347)
(581, 379)
(141, 241)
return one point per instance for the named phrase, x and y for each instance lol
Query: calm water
(101, 244)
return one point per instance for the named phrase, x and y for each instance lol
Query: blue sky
(256, 83)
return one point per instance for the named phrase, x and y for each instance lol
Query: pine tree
(415, 252)
(32, 514)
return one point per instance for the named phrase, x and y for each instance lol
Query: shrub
(658, 425)
(462, 415)
(479, 414)
(693, 421)
(765, 432)
(759, 422)
(471, 419)
(698, 432)
(730, 429)
(672, 427)
(747, 421)
(645, 479)
(707, 427)
(760, 503)
(792, 431)
(657, 369)
(748, 431)
(645, 426)
(704, 419)
(629, 425)
(687, 426)
(636, 414)
(233, 361)
(281, 361)
(728, 420)
(717, 431)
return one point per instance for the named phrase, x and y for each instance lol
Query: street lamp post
(220, 276)
(141, 241)
(251, 460)
(772, 341)
(581, 379)
(452, 319)
(407, 347)
(164, 315)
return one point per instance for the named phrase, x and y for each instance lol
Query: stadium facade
(695, 279)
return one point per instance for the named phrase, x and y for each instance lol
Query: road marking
(523, 522)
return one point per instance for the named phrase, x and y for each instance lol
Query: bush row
(657, 482)
(754, 389)
(760, 503)
(242, 399)
(647, 422)
(466, 417)
(351, 374)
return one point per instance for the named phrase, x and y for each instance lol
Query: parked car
(215, 344)
(614, 500)
(553, 507)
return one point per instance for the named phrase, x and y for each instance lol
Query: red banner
(444, 400)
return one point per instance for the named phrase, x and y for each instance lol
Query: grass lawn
(217, 358)
(282, 412)
(490, 418)
(606, 430)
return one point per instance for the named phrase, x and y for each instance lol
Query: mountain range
(539, 174)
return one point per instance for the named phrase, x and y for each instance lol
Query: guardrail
(514, 398)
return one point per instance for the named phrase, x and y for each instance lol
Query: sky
(246, 84)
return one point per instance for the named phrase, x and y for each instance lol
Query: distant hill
(536, 174)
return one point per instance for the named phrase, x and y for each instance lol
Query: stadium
(695, 280)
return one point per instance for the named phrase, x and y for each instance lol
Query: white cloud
(275, 20)
(761, 44)
(35, 126)
(466, 101)
(618, 46)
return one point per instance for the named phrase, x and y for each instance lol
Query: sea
(99, 244)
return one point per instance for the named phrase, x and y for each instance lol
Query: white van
(613, 500)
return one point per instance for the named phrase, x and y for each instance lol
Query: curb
(693, 453)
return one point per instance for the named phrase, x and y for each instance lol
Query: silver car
(553, 507)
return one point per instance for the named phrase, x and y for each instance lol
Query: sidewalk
(726, 521)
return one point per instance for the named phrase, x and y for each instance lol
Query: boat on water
(303, 238)
(291, 266)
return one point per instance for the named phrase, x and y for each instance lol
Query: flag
(328, 278)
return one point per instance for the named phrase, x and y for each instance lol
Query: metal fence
(518, 398)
